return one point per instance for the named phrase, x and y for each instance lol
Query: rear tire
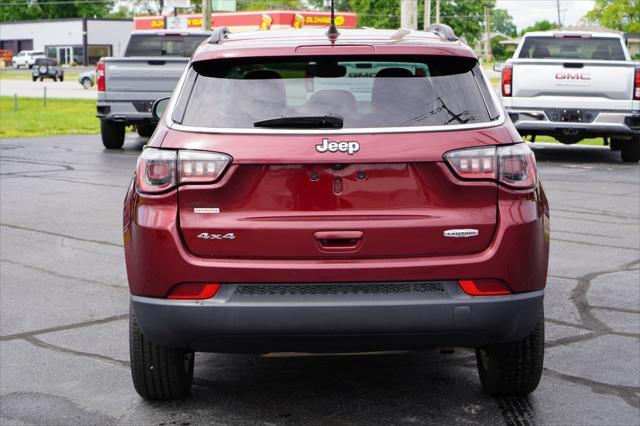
(87, 83)
(112, 134)
(61, 78)
(630, 150)
(158, 372)
(145, 130)
(34, 78)
(513, 368)
(616, 144)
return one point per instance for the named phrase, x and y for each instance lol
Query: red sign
(253, 20)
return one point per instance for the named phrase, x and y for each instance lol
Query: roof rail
(443, 31)
(218, 35)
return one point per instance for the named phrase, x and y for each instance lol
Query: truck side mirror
(498, 66)
(159, 107)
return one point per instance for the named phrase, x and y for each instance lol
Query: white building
(68, 39)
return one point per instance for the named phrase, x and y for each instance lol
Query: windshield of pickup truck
(347, 92)
(584, 48)
(163, 45)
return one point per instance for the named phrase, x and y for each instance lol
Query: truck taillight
(100, 76)
(513, 166)
(159, 170)
(507, 80)
(636, 87)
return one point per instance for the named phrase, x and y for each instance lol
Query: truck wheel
(158, 372)
(87, 83)
(630, 150)
(34, 78)
(616, 144)
(513, 368)
(146, 130)
(61, 78)
(112, 134)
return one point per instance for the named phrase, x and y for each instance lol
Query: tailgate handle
(156, 62)
(338, 240)
(573, 65)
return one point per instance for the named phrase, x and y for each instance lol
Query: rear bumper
(237, 322)
(127, 107)
(605, 122)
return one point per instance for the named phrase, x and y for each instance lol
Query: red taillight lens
(484, 287)
(507, 80)
(201, 167)
(636, 88)
(155, 171)
(100, 77)
(475, 163)
(511, 165)
(194, 291)
(159, 170)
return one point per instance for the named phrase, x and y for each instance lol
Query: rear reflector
(507, 80)
(194, 291)
(484, 287)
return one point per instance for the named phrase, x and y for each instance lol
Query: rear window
(163, 45)
(364, 92)
(572, 48)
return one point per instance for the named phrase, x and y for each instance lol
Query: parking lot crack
(630, 394)
(56, 234)
(63, 276)
(26, 334)
(42, 344)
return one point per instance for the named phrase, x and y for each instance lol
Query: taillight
(193, 291)
(100, 76)
(511, 165)
(507, 80)
(636, 87)
(484, 287)
(159, 170)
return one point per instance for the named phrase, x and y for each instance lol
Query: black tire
(34, 78)
(61, 78)
(145, 130)
(112, 134)
(513, 368)
(630, 150)
(55, 78)
(158, 372)
(86, 83)
(616, 144)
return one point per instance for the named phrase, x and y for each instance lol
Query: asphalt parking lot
(64, 302)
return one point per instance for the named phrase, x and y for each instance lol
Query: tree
(623, 15)
(502, 22)
(540, 26)
(15, 10)
(341, 5)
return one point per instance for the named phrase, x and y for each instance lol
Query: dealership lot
(64, 302)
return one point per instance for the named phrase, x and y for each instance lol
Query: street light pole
(427, 14)
(437, 11)
(206, 15)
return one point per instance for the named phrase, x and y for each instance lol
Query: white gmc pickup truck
(575, 85)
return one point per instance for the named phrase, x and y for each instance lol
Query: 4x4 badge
(207, 236)
(350, 147)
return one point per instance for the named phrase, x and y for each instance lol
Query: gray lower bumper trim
(336, 322)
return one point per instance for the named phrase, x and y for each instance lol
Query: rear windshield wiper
(304, 122)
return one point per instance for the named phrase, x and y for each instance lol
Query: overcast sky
(526, 12)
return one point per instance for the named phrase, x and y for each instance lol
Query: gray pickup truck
(150, 69)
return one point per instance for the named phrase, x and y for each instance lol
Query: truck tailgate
(607, 80)
(143, 74)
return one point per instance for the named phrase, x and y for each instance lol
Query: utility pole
(437, 11)
(558, 7)
(488, 56)
(409, 14)
(206, 15)
(427, 14)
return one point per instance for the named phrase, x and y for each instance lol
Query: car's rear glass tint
(365, 92)
(584, 48)
(163, 45)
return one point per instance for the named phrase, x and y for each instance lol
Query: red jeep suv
(314, 192)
